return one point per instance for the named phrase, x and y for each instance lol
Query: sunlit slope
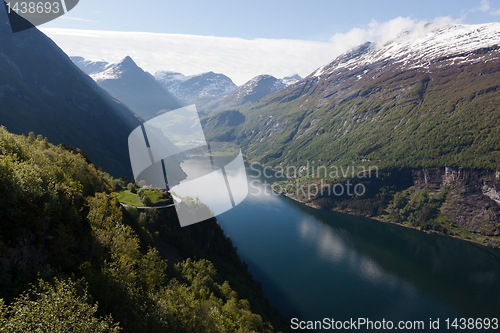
(395, 109)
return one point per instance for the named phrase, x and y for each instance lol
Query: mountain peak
(420, 92)
(49, 95)
(126, 66)
(127, 63)
(419, 48)
(289, 80)
(136, 88)
(263, 77)
(252, 91)
(196, 88)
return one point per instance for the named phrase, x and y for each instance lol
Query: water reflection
(330, 247)
(333, 246)
(464, 275)
(326, 264)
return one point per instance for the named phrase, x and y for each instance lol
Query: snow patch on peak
(125, 64)
(168, 76)
(89, 66)
(292, 79)
(207, 84)
(115, 71)
(109, 74)
(278, 85)
(319, 71)
(419, 48)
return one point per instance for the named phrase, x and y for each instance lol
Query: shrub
(146, 200)
(58, 308)
(132, 188)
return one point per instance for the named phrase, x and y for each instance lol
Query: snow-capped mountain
(205, 86)
(452, 45)
(424, 92)
(257, 88)
(289, 80)
(89, 66)
(428, 101)
(136, 88)
(250, 92)
(126, 67)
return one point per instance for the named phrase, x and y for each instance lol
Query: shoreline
(489, 246)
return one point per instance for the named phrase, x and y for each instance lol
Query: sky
(243, 39)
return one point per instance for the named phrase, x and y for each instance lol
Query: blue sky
(315, 20)
(245, 38)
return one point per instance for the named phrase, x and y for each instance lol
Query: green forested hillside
(447, 116)
(220, 127)
(433, 133)
(73, 259)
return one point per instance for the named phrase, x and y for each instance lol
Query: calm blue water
(317, 264)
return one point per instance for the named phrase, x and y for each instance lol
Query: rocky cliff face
(463, 203)
(473, 202)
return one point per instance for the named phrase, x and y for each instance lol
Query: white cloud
(387, 31)
(240, 59)
(485, 7)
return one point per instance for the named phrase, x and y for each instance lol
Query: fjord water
(316, 264)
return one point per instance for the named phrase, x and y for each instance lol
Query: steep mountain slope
(247, 94)
(223, 124)
(89, 66)
(424, 109)
(41, 90)
(196, 89)
(60, 221)
(416, 102)
(136, 88)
